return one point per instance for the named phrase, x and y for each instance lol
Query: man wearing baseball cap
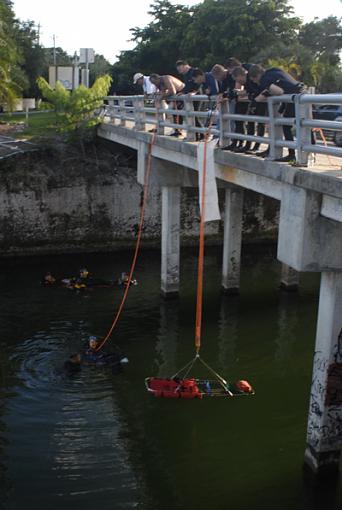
(145, 83)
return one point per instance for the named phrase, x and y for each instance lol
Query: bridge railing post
(160, 117)
(275, 131)
(139, 115)
(190, 120)
(303, 133)
(225, 124)
(111, 110)
(122, 112)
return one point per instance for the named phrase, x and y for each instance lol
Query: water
(98, 440)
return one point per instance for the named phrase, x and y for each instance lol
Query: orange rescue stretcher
(191, 388)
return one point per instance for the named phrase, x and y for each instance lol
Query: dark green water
(100, 441)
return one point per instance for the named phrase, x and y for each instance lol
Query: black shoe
(240, 150)
(256, 147)
(287, 159)
(263, 154)
(176, 134)
(229, 147)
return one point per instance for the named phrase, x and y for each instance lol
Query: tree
(33, 57)
(205, 34)
(323, 38)
(76, 111)
(158, 45)
(9, 57)
(100, 67)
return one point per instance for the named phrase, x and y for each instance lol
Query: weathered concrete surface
(310, 231)
(232, 241)
(324, 435)
(56, 201)
(170, 264)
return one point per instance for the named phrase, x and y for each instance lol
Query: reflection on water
(95, 439)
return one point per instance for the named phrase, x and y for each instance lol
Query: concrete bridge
(310, 224)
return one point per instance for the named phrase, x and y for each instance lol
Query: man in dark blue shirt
(205, 82)
(186, 71)
(239, 103)
(251, 91)
(276, 82)
(223, 76)
(190, 87)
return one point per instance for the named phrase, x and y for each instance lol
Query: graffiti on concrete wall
(325, 413)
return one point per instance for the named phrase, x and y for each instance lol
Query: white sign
(87, 55)
(64, 74)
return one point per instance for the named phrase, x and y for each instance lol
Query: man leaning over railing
(251, 91)
(146, 84)
(167, 86)
(276, 82)
(207, 86)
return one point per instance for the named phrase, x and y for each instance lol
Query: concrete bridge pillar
(232, 241)
(289, 278)
(324, 434)
(171, 196)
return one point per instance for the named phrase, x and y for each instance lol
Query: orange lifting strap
(138, 243)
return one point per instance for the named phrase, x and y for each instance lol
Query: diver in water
(124, 279)
(48, 280)
(73, 364)
(93, 356)
(84, 279)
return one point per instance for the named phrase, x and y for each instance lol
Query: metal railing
(196, 113)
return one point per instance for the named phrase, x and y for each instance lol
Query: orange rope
(199, 301)
(324, 140)
(137, 246)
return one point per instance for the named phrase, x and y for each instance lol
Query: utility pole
(38, 33)
(54, 49)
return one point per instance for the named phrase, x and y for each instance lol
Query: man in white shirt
(145, 83)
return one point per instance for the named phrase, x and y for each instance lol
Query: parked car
(330, 112)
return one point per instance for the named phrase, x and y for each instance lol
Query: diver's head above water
(93, 342)
(84, 273)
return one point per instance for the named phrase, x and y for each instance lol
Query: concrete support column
(170, 240)
(232, 241)
(324, 435)
(289, 278)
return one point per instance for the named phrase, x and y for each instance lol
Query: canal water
(98, 440)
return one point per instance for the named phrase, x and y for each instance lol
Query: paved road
(10, 146)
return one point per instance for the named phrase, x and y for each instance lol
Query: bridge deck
(324, 177)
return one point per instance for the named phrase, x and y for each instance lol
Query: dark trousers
(259, 109)
(290, 112)
(178, 105)
(241, 108)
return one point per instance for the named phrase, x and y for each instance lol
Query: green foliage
(9, 57)
(76, 111)
(262, 31)
(100, 67)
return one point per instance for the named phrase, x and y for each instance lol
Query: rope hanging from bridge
(138, 242)
(200, 270)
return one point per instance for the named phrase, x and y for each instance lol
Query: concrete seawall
(56, 201)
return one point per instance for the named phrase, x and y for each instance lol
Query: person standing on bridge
(145, 83)
(186, 71)
(191, 87)
(167, 86)
(238, 103)
(276, 82)
(251, 91)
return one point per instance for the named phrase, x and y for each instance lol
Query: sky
(104, 24)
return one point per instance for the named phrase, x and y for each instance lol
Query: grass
(41, 124)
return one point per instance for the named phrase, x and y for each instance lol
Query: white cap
(137, 77)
